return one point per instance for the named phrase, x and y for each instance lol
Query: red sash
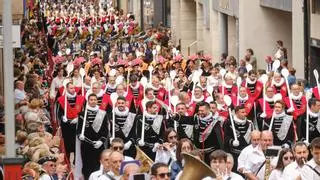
(72, 112)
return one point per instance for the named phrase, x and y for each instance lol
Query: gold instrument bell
(145, 161)
(195, 169)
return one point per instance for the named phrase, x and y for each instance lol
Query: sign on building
(16, 38)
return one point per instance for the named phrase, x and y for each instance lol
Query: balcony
(284, 5)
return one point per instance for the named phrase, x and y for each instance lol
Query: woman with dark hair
(166, 152)
(184, 146)
(285, 157)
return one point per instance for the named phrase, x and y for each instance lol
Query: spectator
(285, 157)
(250, 59)
(19, 93)
(115, 159)
(48, 163)
(129, 168)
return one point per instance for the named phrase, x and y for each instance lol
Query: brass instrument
(195, 169)
(268, 170)
(145, 161)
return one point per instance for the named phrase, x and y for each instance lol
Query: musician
(245, 100)
(191, 106)
(279, 85)
(136, 89)
(184, 130)
(282, 126)
(95, 133)
(159, 92)
(221, 106)
(301, 153)
(68, 124)
(154, 128)
(298, 101)
(269, 100)
(101, 96)
(255, 166)
(254, 87)
(149, 96)
(242, 127)
(125, 125)
(227, 87)
(197, 95)
(207, 132)
(111, 85)
(314, 122)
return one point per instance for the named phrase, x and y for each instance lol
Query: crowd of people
(96, 97)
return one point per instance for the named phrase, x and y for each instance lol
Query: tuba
(145, 161)
(195, 169)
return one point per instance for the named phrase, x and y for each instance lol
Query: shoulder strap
(314, 169)
(260, 168)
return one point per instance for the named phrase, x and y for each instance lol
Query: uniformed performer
(207, 132)
(314, 121)
(282, 126)
(95, 133)
(125, 125)
(153, 130)
(68, 123)
(243, 128)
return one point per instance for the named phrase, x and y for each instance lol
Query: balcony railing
(284, 5)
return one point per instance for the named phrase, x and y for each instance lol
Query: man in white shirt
(19, 92)
(255, 166)
(105, 165)
(311, 170)
(293, 170)
(245, 153)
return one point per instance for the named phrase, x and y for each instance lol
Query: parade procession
(97, 97)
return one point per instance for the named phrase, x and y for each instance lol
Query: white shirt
(19, 95)
(275, 175)
(77, 81)
(164, 156)
(45, 177)
(291, 171)
(95, 175)
(254, 161)
(235, 176)
(243, 157)
(309, 174)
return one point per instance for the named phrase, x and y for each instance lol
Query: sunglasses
(115, 148)
(163, 175)
(286, 158)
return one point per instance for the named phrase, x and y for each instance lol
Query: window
(315, 7)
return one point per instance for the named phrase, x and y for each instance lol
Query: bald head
(266, 139)
(255, 137)
(130, 169)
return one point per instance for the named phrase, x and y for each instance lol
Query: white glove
(81, 137)
(127, 145)
(111, 139)
(74, 121)
(155, 147)
(235, 143)
(263, 115)
(64, 119)
(290, 110)
(141, 143)
(97, 144)
(285, 145)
